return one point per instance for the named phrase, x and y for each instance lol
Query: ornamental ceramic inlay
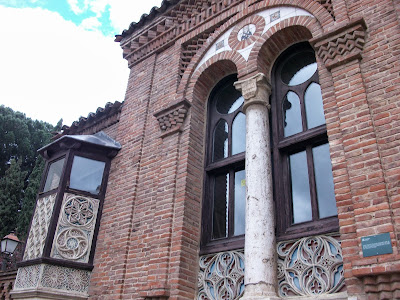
(246, 32)
(263, 21)
(221, 276)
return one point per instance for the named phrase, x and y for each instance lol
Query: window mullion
(311, 176)
(231, 204)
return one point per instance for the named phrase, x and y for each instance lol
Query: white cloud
(75, 7)
(92, 23)
(122, 12)
(52, 69)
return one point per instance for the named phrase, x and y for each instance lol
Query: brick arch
(277, 39)
(211, 72)
(323, 21)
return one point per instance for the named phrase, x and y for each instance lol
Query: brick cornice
(171, 118)
(341, 45)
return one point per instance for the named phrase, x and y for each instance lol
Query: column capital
(255, 90)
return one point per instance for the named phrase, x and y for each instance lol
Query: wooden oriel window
(303, 181)
(225, 185)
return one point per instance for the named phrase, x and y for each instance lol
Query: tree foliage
(20, 168)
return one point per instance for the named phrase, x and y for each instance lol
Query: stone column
(260, 253)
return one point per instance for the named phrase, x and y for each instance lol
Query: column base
(259, 291)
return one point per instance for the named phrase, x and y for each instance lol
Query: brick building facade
(210, 81)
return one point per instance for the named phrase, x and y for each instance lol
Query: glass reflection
(240, 201)
(299, 68)
(239, 134)
(291, 114)
(229, 99)
(324, 181)
(314, 107)
(301, 199)
(54, 175)
(87, 174)
(220, 211)
(220, 142)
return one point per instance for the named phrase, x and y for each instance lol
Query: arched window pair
(303, 182)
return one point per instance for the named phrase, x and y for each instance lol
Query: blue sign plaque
(376, 245)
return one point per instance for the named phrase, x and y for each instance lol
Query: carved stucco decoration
(53, 279)
(255, 90)
(75, 228)
(310, 266)
(171, 118)
(342, 45)
(39, 227)
(221, 276)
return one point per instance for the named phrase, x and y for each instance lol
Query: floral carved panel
(221, 276)
(39, 227)
(310, 266)
(75, 228)
(56, 280)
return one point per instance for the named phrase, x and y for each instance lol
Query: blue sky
(58, 58)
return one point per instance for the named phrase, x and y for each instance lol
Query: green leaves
(20, 168)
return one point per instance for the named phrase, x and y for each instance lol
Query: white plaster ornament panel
(75, 228)
(308, 267)
(53, 279)
(247, 28)
(221, 276)
(39, 227)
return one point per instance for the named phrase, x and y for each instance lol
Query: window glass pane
(220, 149)
(299, 68)
(291, 114)
(324, 182)
(301, 199)
(239, 134)
(220, 211)
(54, 175)
(240, 202)
(229, 99)
(86, 174)
(314, 107)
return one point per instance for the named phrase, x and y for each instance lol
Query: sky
(58, 58)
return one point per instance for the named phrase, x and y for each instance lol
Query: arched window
(303, 181)
(225, 186)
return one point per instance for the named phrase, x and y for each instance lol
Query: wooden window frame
(231, 164)
(283, 147)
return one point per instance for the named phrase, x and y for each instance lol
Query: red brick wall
(150, 229)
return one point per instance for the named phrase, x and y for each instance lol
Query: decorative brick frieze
(327, 4)
(183, 18)
(171, 118)
(341, 45)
